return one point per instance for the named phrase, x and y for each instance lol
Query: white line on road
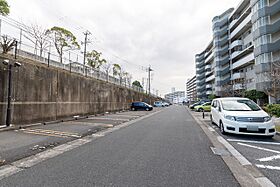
(211, 129)
(251, 141)
(113, 119)
(266, 159)
(260, 148)
(243, 161)
(268, 167)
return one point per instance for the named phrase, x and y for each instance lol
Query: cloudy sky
(165, 34)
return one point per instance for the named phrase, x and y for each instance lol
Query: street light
(10, 66)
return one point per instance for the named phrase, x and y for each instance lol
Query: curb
(245, 173)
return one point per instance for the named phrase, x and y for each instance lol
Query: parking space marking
(260, 148)
(268, 167)
(255, 142)
(271, 158)
(121, 115)
(211, 129)
(113, 119)
(242, 160)
(46, 132)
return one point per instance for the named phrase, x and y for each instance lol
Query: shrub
(274, 109)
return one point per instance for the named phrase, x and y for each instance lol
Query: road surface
(166, 149)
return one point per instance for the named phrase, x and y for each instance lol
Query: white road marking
(264, 181)
(271, 158)
(255, 142)
(6, 171)
(113, 119)
(260, 148)
(268, 167)
(243, 161)
(211, 129)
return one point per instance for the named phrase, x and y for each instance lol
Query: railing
(71, 61)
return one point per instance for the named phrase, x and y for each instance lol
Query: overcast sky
(163, 33)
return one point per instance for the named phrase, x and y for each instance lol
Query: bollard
(203, 115)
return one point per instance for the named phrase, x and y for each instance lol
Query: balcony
(243, 61)
(241, 26)
(200, 70)
(208, 66)
(208, 72)
(238, 76)
(209, 92)
(236, 43)
(235, 54)
(238, 86)
(209, 86)
(209, 57)
(223, 72)
(212, 77)
(233, 23)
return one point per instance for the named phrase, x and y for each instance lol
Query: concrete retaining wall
(42, 93)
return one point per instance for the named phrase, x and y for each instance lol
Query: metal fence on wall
(72, 60)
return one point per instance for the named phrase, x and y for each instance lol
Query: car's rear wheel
(200, 110)
(222, 128)
(133, 109)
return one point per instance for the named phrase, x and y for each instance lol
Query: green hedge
(273, 109)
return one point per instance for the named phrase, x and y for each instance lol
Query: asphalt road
(167, 149)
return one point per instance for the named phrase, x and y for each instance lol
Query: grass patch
(277, 128)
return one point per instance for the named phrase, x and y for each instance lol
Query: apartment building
(245, 49)
(176, 97)
(191, 89)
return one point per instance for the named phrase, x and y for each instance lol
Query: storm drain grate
(219, 151)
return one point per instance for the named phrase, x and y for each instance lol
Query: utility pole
(149, 79)
(10, 66)
(85, 47)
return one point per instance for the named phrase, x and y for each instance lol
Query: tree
(94, 59)
(107, 68)
(63, 39)
(273, 76)
(7, 44)
(116, 69)
(212, 96)
(255, 95)
(137, 84)
(38, 36)
(4, 8)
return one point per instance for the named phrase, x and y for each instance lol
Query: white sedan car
(241, 116)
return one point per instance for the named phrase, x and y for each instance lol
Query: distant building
(176, 97)
(244, 52)
(191, 90)
(173, 90)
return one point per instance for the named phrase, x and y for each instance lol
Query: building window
(264, 58)
(261, 22)
(259, 5)
(262, 40)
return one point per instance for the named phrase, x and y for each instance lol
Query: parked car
(141, 106)
(204, 107)
(165, 104)
(198, 103)
(241, 116)
(158, 104)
